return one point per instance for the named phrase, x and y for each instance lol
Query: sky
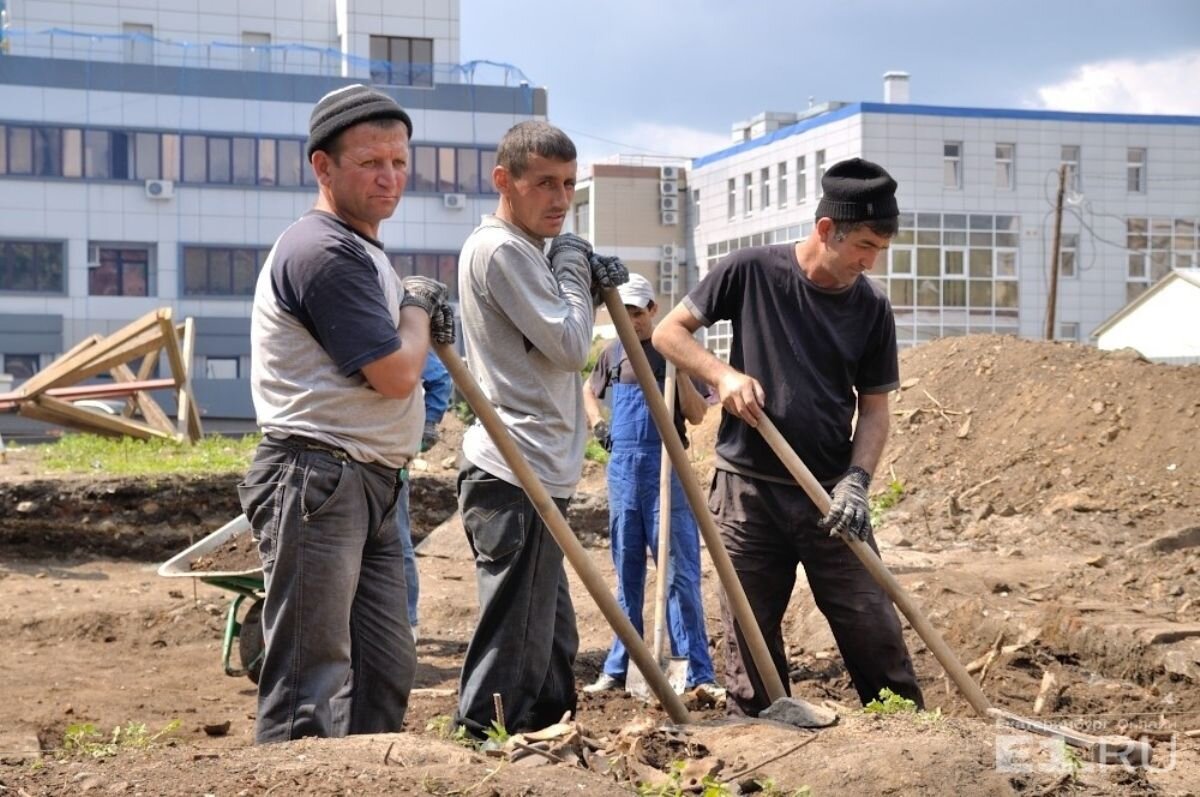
(671, 77)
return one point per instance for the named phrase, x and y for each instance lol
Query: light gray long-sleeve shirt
(527, 328)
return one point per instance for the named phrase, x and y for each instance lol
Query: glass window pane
(50, 268)
(1008, 239)
(266, 161)
(102, 280)
(907, 221)
(170, 156)
(146, 156)
(955, 221)
(446, 181)
(47, 151)
(981, 294)
(3, 150)
(981, 262)
(1160, 233)
(954, 238)
(219, 160)
(901, 261)
(954, 293)
(134, 273)
(245, 270)
(195, 159)
(929, 293)
(427, 266)
(195, 270)
(1134, 290)
(1006, 294)
(929, 262)
(981, 239)
(954, 261)
(1160, 264)
(220, 272)
(929, 221)
(122, 155)
(1137, 266)
(424, 175)
(903, 238)
(900, 291)
(290, 162)
(468, 171)
(20, 150)
(422, 59)
(1006, 263)
(244, 172)
(17, 267)
(96, 159)
(405, 265)
(487, 162)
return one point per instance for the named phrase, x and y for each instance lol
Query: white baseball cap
(637, 291)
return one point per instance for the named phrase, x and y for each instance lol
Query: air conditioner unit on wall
(668, 173)
(160, 189)
(666, 285)
(668, 203)
(454, 201)
(669, 218)
(670, 252)
(668, 187)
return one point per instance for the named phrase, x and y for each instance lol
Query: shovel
(1100, 749)
(675, 667)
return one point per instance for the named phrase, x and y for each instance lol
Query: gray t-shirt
(327, 303)
(527, 328)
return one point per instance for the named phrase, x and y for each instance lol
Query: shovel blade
(675, 668)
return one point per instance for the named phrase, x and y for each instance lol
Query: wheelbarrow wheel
(250, 641)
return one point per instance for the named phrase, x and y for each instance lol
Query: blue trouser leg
(339, 658)
(686, 607)
(627, 537)
(411, 577)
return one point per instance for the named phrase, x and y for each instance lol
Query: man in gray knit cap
(338, 343)
(814, 342)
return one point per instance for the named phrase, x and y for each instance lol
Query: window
(266, 162)
(487, 163)
(820, 166)
(765, 178)
(748, 183)
(195, 159)
(1135, 170)
(446, 163)
(20, 150)
(401, 61)
(442, 266)
(21, 366)
(1155, 246)
(1068, 330)
(732, 211)
(1068, 249)
(467, 181)
(221, 368)
(801, 181)
(952, 164)
(120, 271)
(695, 207)
(422, 175)
(1070, 158)
(146, 157)
(221, 270)
(219, 165)
(256, 53)
(1006, 159)
(583, 227)
(32, 267)
(139, 43)
(289, 163)
(781, 177)
(244, 170)
(72, 142)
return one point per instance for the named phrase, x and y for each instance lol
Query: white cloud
(647, 138)
(1163, 86)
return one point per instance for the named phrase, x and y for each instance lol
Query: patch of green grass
(464, 412)
(889, 702)
(497, 734)
(125, 456)
(884, 501)
(595, 452)
(673, 787)
(84, 739)
(442, 726)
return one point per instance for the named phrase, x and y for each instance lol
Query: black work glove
(441, 324)
(607, 272)
(850, 511)
(430, 436)
(600, 430)
(425, 293)
(569, 241)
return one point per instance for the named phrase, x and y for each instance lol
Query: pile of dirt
(235, 555)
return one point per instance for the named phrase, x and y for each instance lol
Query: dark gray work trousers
(339, 653)
(769, 528)
(525, 643)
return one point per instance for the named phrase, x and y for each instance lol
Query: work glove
(850, 510)
(569, 241)
(607, 272)
(600, 430)
(430, 436)
(441, 324)
(425, 293)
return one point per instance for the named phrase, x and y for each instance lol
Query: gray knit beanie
(346, 107)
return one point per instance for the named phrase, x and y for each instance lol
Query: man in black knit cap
(814, 342)
(338, 343)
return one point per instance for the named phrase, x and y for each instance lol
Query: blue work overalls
(633, 480)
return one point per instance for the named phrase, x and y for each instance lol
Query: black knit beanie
(346, 107)
(857, 190)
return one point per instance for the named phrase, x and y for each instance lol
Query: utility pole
(1052, 301)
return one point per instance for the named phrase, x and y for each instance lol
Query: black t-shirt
(609, 369)
(810, 347)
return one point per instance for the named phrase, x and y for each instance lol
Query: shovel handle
(664, 530)
(566, 539)
(874, 565)
(760, 655)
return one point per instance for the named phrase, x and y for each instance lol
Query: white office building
(977, 195)
(151, 152)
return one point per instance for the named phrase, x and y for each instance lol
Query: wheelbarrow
(248, 586)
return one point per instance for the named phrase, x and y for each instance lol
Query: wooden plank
(194, 431)
(119, 389)
(142, 400)
(98, 421)
(128, 350)
(66, 370)
(149, 363)
(86, 343)
(180, 370)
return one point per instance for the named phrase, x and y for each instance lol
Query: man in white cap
(633, 490)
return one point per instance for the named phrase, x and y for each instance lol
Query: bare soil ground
(1048, 523)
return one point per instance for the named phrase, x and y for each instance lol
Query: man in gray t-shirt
(527, 325)
(337, 348)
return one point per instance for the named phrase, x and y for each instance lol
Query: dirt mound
(1055, 427)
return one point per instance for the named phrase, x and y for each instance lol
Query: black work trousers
(769, 528)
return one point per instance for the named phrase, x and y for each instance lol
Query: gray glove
(850, 511)
(430, 436)
(569, 241)
(425, 293)
(441, 324)
(607, 272)
(600, 430)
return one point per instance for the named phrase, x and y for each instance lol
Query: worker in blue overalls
(633, 488)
